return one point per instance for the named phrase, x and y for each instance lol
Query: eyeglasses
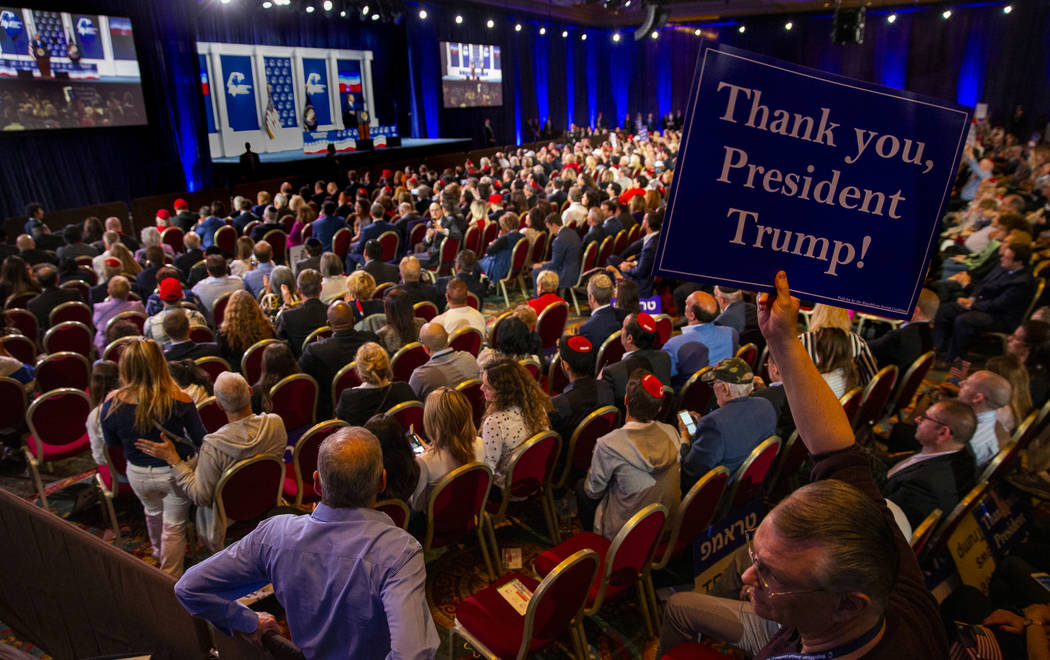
(923, 416)
(763, 582)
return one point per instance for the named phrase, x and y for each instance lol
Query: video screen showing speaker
(471, 75)
(67, 70)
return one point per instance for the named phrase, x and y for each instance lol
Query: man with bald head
(446, 366)
(118, 289)
(352, 583)
(413, 284)
(985, 392)
(322, 359)
(459, 313)
(701, 309)
(51, 296)
(30, 254)
(243, 436)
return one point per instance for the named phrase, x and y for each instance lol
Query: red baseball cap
(579, 344)
(163, 214)
(653, 386)
(180, 203)
(170, 289)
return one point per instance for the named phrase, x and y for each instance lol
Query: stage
(280, 163)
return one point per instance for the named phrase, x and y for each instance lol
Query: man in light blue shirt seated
(352, 583)
(721, 341)
(218, 282)
(253, 279)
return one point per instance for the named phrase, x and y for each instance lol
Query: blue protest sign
(239, 88)
(315, 73)
(841, 183)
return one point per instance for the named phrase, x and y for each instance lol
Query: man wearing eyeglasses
(828, 563)
(941, 474)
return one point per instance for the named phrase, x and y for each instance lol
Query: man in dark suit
(611, 211)
(184, 218)
(489, 134)
(998, 303)
(441, 225)
(943, 471)
(640, 270)
(51, 296)
(736, 312)
(595, 232)
(193, 255)
(560, 194)
(380, 271)
(774, 393)
(295, 325)
(566, 252)
(370, 232)
(314, 250)
(407, 219)
(638, 337)
(905, 344)
(605, 319)
(411, 282)
(244, 214)
(177, 326)
(499, 254)
(584, 394)
(29, 253)
(322, 359)
(146, 281)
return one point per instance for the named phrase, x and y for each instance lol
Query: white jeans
(166, 514)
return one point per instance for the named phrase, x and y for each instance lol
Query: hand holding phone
(685, 420)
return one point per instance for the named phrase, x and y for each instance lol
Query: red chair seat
(497, 625)
(107, 478)
(545, 562)
(58, 452)
(291, 489)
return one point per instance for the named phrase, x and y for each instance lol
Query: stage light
(564, 34)
(891, 18)
(788, 25)
(697, 32)
(267, 4)
(627, 4)
(422, 14)
(342, 14)
(655, 34)
(741, 29)
(490, 24)
(946, 14)
(309, 9)
(543, 30)
(459, 19)
(517, 28)
(1007, 9)
(364, 10)
(616, 36)
(375, 17)
(328, 5)
(583, 37)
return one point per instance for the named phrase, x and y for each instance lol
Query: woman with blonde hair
(516, 409)
(243, 325)
(448, 421)
(148, 404)
(829, 316)
(243, 261)
(128, 265)
(377, 392)
(1012, 369)
(360, 285)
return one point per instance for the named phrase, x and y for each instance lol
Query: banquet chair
(298, 484)
(57, 429)
(456, 507)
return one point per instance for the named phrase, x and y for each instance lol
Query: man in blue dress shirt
(352, 583)
(700, 312)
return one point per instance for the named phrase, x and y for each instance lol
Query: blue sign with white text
(838, 182)
(315, 73)
(239, 88)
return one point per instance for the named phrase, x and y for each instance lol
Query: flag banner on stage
(13, 37)
(349, 76)
(315, 73)
(841, 183)
(86, 32)
(280, 109)
(121, 39)
(316, 142)
(209, 111)
(240, 92)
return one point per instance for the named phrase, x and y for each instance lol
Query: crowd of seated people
(564, 197)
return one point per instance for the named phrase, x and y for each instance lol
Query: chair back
(84, 289)
(341, 242)
(751, 475)
(610, 351)
(307, 232)
(792, 454)
(425, 310)
(138, 318)
(551, 324)
(473, 300)
(201, 334)
(491, 233)
(472, 239)
(115, 348)
(225, 238)
(212, 415)
(467, 338)
(218, 310)
(539, 249)
(65, 369)
(518, 256)
(531, 466)
(559, 599)
(251, 360)
(449, 250)
(69, 336)
(696, 395)
(631, 550)
(249, 488)
(620, 243)
(70, 311)
(909, 384)
(851, 402)
(397, 510)
(939, 539)
(634, 233)
(391, 241)
(664, 328)
(294, 399)
(13, 412)
(415, 237)
(748, 353)
(471, 389)
(556, 378)
(19, 300)
(345, 378)
(278, 240)
(213, 366)
(304, 457)
(248, 228)
(24, 320)
(605, 250)
(324, 332)
(583, 439)
(116, 466)
(694, 515)
(58, 417)
(1040, 286)
(21, 347)
(456, 504)
(922, 534)
(588, 261)
(406, 360)
(173, 236)
(409, 414)
(875, 398)
(288, 223)
(532, 365)
(494, 330)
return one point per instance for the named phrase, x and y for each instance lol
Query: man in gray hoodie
(633, 466)
(243, 436)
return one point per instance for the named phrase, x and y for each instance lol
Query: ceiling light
(543, 30)
(655, 35)
(616, 36)
(891, 18)
(422, 14)
(459, 19)
(564, 34)
(583, 37)
(225, 2)
(309, 9)
(375, 16)
(741, 29)
(490, 24)
(342, 14)
(946, 14)
(364, 10)
(328, 5)
(788, 25)
(697, 32)
(627, 4)
(267, 4)
(517, 28)
(1007, 9)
